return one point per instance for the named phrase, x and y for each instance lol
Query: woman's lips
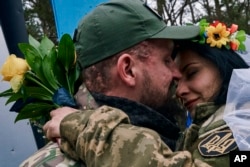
(190, 104)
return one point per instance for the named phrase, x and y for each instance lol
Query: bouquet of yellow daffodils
(44, 80)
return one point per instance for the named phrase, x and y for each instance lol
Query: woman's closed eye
(191, 73)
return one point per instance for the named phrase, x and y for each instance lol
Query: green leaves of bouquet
(49, 81)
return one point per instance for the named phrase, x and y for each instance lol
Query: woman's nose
(181, 89)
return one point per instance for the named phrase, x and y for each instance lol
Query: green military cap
(119, 24)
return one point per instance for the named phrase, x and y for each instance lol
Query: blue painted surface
(69, 12)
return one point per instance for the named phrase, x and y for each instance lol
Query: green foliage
(39, 18)
(241, 36)
(179, 12)
(51, 67)
(36, 110)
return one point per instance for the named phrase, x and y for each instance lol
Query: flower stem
(39, 83)
(69, 87)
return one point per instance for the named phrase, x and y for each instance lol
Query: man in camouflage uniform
(51, 155)
(124, 49)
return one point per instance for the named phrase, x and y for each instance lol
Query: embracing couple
(132, 62)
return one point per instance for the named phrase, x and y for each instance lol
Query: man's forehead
(164, 42)
(169, 44)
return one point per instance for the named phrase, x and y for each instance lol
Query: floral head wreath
(217, 34)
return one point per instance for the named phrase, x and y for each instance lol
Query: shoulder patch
(218, 143)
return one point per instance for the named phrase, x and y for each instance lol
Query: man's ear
(126, 69)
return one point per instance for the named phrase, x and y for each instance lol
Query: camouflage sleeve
(104, 137)
(50, 156)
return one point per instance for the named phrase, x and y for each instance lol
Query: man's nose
(176, 73)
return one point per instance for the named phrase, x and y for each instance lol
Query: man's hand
(52, 127)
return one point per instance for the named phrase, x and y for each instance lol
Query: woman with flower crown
(206, 65)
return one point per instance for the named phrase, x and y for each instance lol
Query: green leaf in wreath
(34, 110)
(241, 35)
(66, 51)
(242, 47)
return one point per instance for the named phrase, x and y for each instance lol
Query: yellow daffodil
(16, 82)
(217, 35)
(13, 66)
(13, 70)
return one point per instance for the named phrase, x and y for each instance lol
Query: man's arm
(104, 137)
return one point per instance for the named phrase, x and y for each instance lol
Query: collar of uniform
(143, 116)
(84, 99)
(214, 123)
(203, 111)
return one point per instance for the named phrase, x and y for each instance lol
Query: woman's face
(200, 81)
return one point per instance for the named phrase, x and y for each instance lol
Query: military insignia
(218, 143)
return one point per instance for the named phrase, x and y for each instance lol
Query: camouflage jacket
(209, 138)
(106, 137)
(51, 155)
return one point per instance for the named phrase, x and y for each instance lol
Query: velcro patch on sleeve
(218, 143)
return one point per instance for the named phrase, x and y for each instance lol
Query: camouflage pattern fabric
(50, 155)
(45, 157)
(104, 137)
(209, 139)
(84, 99)
(143, 116)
